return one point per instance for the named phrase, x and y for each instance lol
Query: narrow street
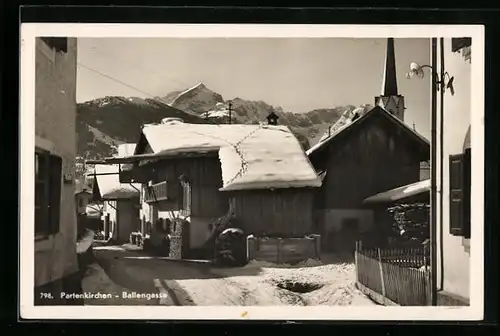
(141, 276)
(133, 278)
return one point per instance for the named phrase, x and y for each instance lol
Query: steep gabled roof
(109, 186)
(355, 124)
(251, 156)
(126, 149)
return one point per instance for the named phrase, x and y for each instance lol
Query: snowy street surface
(181, 283)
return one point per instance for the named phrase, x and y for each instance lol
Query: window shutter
(467, 192)
(55, 193)
(456, 194)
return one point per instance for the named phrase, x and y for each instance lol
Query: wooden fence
(283, 250)
(392, 277)
(414, 257)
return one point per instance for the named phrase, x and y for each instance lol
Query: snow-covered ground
(96, 281)
(258, 284)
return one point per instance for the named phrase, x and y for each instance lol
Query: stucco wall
(86, 198)
(457, 116)
(55, 113)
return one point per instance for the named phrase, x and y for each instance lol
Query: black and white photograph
(251, 172)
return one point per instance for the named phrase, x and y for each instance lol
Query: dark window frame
(48, 188)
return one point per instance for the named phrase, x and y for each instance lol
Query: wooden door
(349, 234)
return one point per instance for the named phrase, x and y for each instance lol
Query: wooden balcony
(156, 192)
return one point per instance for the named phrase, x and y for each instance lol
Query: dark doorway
(349, 234)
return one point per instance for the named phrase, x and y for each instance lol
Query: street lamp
(418, 71)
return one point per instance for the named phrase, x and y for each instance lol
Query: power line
(138, 90)
(140, 66)
(118, 81)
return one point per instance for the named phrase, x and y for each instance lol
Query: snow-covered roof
(81, 188)
(345, 123)
(110, 186)
(251, 156)
(126, 149)
(93, 210)
(400, 192)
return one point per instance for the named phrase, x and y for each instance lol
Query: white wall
(109, 207)
(457, 116)
(55, 117)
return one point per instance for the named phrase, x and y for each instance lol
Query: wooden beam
(156, 156)
(97, 174)
(95, 162)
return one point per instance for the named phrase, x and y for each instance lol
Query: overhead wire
(152, 97)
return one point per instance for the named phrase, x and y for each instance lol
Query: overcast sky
(298, 74)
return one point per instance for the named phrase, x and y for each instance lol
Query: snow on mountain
(104, 123)
(345, 119)
(104, 138)
(198, 99)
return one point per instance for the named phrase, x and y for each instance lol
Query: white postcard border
(27, 140)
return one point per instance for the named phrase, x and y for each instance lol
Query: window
(47, 192)
(80, 202)
(463, 46)
(460, 182)
(459, 43)
(57, 43)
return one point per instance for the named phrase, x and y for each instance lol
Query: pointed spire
(390, 84)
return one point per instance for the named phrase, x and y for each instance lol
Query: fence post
(250, 248)
(381, 272)
(317, 246)
(356, 260)
(279, 242)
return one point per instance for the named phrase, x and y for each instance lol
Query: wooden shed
(197, 171)
(370, 154)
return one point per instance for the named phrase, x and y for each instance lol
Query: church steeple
(390, 83)
(390, 99)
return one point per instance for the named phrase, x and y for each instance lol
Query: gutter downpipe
(433, 226)
(441, 162)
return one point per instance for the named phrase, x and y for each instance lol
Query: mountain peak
(198, 99)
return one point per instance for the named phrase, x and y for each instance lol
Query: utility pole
(230, 109)
(433, 219)
(441, 149)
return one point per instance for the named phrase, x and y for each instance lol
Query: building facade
(366, 155)
(120, 203)
(56, 265)
(453, 243)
